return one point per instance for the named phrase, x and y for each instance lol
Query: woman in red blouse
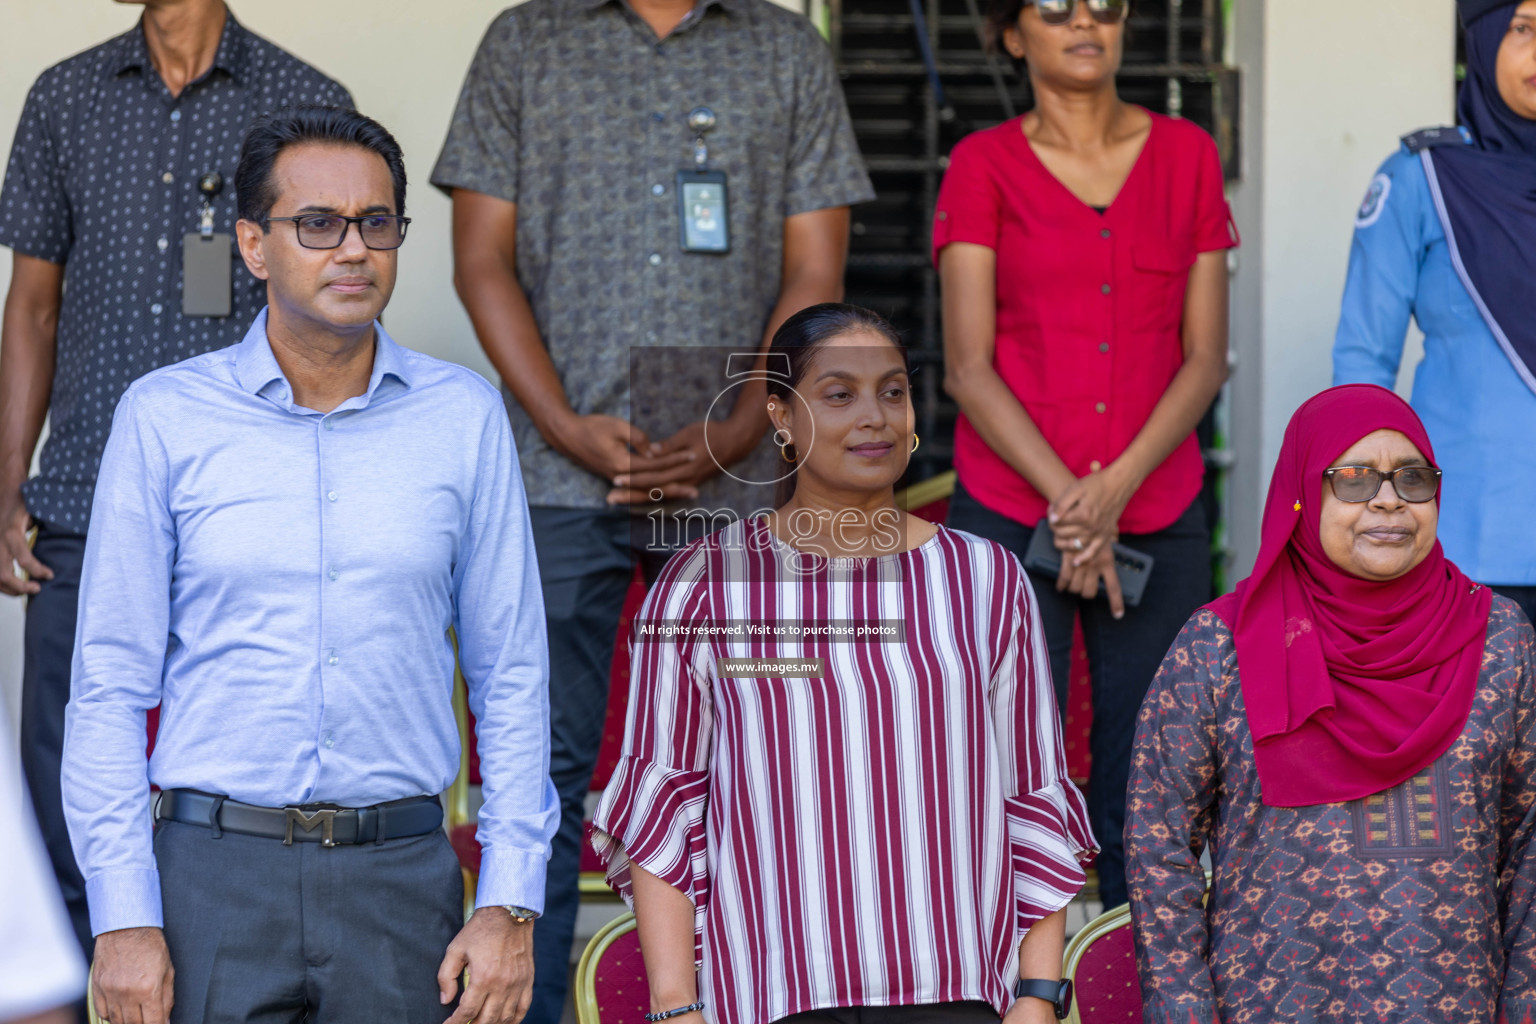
(1081, 253)
(838, 819)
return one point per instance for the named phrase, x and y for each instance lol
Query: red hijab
(1352, 686)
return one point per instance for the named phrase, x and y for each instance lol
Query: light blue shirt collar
(258, 372)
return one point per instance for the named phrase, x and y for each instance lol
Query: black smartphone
(1131, 565)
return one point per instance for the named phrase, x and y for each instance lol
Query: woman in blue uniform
(1447, 234)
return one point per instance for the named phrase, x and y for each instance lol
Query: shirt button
(657, 190)
(334, 659)
(1103, 346)
(331, 495)
(167, 177)
(328, 425)
(1095, 465)
(1104, 289)
(333, 574)
(175, 115)
(1100, 407)
(655, 259)
(163, 244)
(155, 309)
(330, 740)
(1104, 233)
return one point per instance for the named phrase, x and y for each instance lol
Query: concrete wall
(1328, 87)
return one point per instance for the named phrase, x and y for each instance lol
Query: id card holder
(205, 274)
(703, 211)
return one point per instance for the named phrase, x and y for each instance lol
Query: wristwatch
(1057, 993)
(521, 915)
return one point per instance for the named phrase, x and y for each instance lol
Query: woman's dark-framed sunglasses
(1362, 483)
(1059, 12)
(329, 230)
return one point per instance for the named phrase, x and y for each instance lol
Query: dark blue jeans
(1123, 655)
(586, 560)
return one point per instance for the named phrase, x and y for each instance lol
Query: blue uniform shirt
(281, 582)
(1480, 416)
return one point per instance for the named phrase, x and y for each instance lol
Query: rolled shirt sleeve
(969, 208)
(499, 617)
(120, 645)
(1214, 227)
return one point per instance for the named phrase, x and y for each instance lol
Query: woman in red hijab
(1353, 735)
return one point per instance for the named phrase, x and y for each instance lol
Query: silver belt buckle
(323, 817)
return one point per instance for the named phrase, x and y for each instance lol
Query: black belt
(325, 824)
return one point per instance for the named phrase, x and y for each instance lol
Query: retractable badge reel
(206, 259)
(703, 213)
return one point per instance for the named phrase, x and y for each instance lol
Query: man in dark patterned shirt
(102, 185)
(577, 125)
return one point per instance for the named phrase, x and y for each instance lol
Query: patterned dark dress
(1414, 905)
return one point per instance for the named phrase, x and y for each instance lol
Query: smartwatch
(1057, 993)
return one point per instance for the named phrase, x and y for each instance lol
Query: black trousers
(1123, 655)
(48, 649)
(262, 933)
(586, 560)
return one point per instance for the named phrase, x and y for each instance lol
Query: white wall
(1328, 87)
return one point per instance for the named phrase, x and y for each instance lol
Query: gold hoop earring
(915, 442)
(784, 445)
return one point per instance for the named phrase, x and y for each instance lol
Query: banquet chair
(611, 986)
(1100, 961)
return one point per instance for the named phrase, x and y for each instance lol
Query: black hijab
(1485, 193)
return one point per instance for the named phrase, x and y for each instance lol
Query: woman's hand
(1084, 580)
(1086, 516)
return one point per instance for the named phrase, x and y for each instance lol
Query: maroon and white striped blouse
(883, 834)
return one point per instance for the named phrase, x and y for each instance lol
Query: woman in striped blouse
(842, 795)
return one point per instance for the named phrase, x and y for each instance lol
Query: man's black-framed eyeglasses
(329, 230)
(1362, 483)
(1059, 12)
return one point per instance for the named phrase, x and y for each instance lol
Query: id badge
(703, 211)
(205, 274)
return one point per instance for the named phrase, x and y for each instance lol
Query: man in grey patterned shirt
(102, 186)
(577, 124)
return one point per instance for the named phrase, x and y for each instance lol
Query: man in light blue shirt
(283, 533)
(1480, 414)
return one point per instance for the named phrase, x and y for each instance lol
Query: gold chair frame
(586, 967)
(1093, 931)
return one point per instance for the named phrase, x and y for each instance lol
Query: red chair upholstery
(611, 986)
(1101, 962)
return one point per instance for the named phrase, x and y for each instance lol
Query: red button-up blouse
(1090, 306)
